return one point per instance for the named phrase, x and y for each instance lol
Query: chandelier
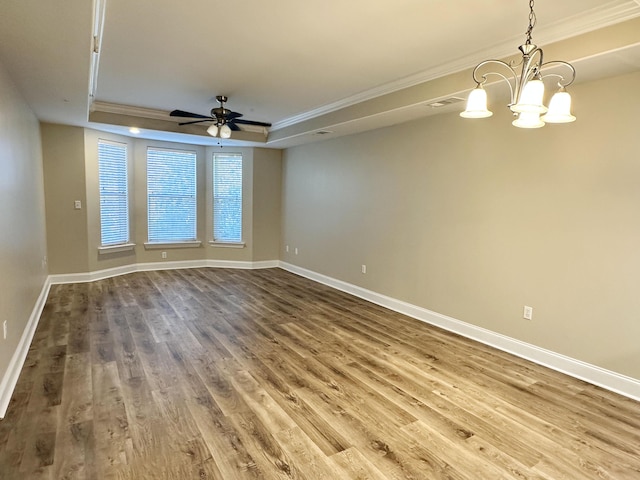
(527, 89)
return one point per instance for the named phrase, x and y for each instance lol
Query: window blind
(114, 198)
(171, 189)
(227, 197)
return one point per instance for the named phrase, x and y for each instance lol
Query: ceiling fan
(224, 120)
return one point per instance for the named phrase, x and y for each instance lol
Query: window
(114, 195)
(227, 197)
(171, 191)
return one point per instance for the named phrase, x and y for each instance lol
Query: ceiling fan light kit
(224, 120)
(527, 89)
(225, 131)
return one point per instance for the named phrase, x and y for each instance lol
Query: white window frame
(124, 243)
(217, 240)
(169, 242)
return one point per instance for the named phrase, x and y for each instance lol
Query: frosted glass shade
(225, 131)
(528, 120)
(477, 104)
(531, 98)
(212, 130)
(559, 109)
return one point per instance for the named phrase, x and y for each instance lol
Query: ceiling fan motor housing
(219, 115)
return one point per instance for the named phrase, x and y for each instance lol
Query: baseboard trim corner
(154, 266)
(10, 379)
(615, 382)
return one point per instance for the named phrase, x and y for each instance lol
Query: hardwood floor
(235, 374)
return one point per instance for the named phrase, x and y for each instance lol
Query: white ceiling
(287, 62)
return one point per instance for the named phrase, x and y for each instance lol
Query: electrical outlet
(527, 314)
(4, 329)
(286, 248)
(77, 204)
(364, 269)
(295, 250)
(164, 254)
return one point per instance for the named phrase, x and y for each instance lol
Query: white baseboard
(243, 265)
(146, 267)
(10, 378)
(607, 379)
(627, 386)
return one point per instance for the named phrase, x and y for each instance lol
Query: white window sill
(161, 245)
(123, 247)
(213, 243)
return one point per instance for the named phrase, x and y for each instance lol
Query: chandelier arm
(530, 66)
(504, 77)
(564, 64)
(527, 89)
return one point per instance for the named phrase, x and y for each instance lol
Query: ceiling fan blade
(231, 115)
(182, 113)
(233, 126)
(197, 121)
(242, 121)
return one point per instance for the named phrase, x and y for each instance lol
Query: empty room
(320, 240)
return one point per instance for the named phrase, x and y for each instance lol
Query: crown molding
(119, 109)
(153, 114)
(610, 13)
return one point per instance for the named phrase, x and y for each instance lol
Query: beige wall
(22, 236)
(267, 174)
(64, 183)
(71, 170)
(475, 219)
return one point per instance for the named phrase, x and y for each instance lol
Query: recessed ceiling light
(134, 130)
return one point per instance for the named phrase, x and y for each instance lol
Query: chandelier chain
(532, 22)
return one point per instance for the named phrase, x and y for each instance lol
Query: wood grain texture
(234, 374)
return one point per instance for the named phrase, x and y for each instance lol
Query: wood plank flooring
(236, 374)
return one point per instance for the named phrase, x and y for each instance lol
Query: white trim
(107, 107)
(600, 17)
(627, 386)
(607, 379)
(10, 378)
(243, 265)
(266, 264)
(97, 31)
(153, 266)
(122, 247)
(178, 265)
(216, 244)
(610, 13)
